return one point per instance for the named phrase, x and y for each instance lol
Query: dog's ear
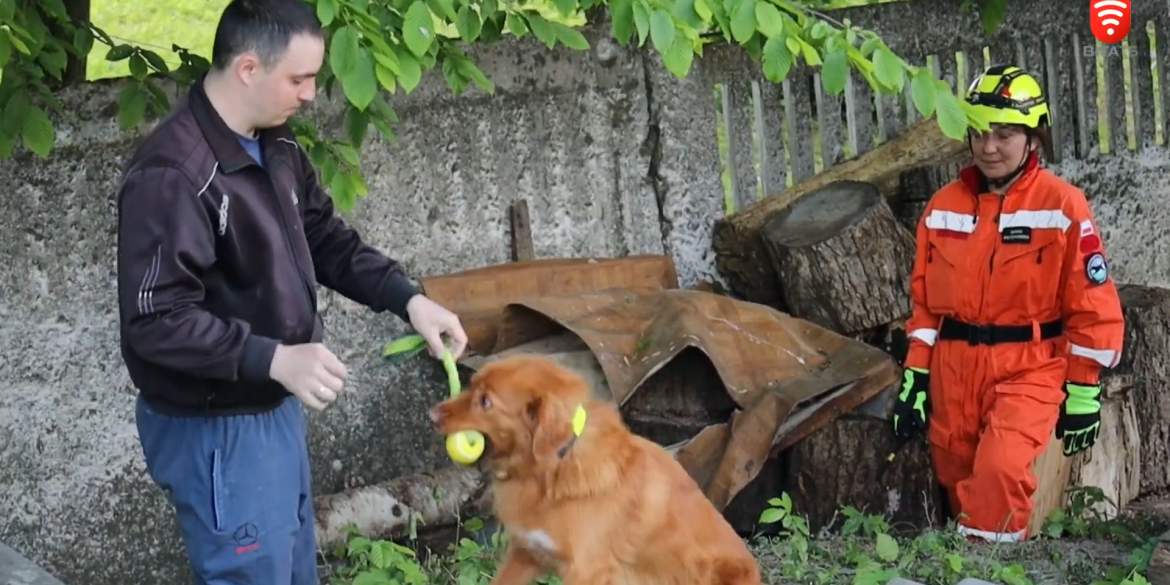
(549, 429)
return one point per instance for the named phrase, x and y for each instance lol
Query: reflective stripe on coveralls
(1028, 257)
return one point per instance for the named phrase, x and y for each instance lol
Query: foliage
(379, 47)
(864, 550)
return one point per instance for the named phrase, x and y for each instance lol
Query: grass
(1078, 547)
(155, 25)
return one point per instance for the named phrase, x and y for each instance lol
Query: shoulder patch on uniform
(1096, 268)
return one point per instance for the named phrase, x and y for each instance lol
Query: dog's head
(524, 405)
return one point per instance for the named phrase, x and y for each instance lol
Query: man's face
(276, 95)
(1000, 150)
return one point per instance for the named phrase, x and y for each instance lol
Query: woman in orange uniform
(1014, 315)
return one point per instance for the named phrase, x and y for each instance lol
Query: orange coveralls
(1022, 258)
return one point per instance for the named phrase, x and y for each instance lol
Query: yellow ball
(465, 447)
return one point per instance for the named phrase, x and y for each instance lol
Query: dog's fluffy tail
(736, 572)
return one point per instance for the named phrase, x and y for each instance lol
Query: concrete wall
(615, 157)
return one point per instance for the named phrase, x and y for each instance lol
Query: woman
(1014, 315)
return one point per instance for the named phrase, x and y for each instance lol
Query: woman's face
(1000, 150)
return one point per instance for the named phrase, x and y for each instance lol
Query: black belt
(995, 334)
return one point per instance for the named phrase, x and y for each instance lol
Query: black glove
(912, 408)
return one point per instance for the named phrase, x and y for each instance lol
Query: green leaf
(951, 117)
(702, 8)
(37, 131)
(542, 29)
(54, 59)
(679, 56)
(570, 37)
(131, 106)
(357, 123)
(138, 67)
(417, 29)
(661, 30)
(469, 70)
(386, 77)
(515, 24)
(642, 20)
(443, 7)
(326, 11)
(409, 71)
(621, 12)
(82, 40)
(770, 20)
(343, 51)
(342, 191)
(887, 548)
(14, 114)
(685, 11)
(771, 516)
(991, 14)
(835, 71)
(115, 54)
(467, 23)
(565, 7)
(361, 83)
(155, 61)
(743, 20)
(888, 69)
(777, 60)
(922, 92)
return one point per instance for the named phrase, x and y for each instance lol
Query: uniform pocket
(1028, 275)
(216, 490)
(942, 277)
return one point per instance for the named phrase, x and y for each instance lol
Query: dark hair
(264, 27)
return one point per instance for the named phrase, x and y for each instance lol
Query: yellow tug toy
(464, 447)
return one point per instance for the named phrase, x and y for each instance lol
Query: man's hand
(912, 409)
(432, 322)
(309, 371)
(1080, 417)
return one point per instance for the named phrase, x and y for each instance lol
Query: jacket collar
(224, 141)
(974, 180)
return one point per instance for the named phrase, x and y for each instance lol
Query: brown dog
(602, 507)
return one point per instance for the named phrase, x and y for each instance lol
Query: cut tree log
(843, 261)
(740, 254)
(1114, 464)
(847, 463)
(1145, 359)
(392, 509)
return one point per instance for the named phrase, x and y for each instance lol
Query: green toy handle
(414, 343)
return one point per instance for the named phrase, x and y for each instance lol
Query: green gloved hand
(1080, 417)
(913, 405)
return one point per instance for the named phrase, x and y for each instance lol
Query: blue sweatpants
(241, 490)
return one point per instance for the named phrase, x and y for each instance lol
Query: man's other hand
(310, 372)
(433, 322)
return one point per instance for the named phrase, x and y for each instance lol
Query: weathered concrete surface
(15, 569)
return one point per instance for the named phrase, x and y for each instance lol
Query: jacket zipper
(305, 288)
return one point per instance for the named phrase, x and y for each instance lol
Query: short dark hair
(264, 27)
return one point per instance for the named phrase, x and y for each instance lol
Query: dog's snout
(436, 413)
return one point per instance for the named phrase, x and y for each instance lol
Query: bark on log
(846, 463)
(740, 253)
(1114, 464)
(843, 261)
(1145, 359)
(1158, 571)
(917, 186)
(389, 510)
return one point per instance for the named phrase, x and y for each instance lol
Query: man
(223, 234)
(1014, 316)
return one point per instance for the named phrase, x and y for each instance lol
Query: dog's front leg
(518, 568)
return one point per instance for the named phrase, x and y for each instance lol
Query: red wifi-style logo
(1109, 20)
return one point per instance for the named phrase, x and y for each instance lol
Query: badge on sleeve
(1097, 269)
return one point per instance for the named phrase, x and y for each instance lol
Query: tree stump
(847, 463)
(1114, 464)
(1145, 359)
(842, 259)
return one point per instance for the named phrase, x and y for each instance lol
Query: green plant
(378, 47)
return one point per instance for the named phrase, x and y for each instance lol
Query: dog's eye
(485, 402)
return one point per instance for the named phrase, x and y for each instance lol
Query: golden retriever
(605, 507)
